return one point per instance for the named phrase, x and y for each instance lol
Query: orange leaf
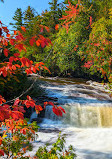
(33, 69)
(14, 67)
(28, 71)
(5, 42)
(47, 69)
(57, 26)
(45, 103)
(15, 32)
(47, 28)
(38, 107)
(41, 63)
(15, 138)
(8, 35)
(17, 65)
(90, 20)
(23, 28)
(24, 150)
(38, 42)
(33, 131)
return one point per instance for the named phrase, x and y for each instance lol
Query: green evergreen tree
(18, 19)
(51, 18)
(29, 14)
(54, 6)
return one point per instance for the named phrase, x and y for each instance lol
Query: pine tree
(18, 19)
(29, 14)
(51, 18)
(55, 11)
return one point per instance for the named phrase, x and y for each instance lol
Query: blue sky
(8, 8)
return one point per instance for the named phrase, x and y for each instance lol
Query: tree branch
(12, 100)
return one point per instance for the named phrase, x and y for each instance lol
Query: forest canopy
(71, 39)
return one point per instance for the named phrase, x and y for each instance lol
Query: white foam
(94, 143)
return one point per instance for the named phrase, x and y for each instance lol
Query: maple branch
(12, 100)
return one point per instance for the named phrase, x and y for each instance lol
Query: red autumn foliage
(11, 41)
(32, 40)
(1, 153)
(2, 100)
(90, 20)
(70, 16)
(12, 114)
(38, 108)
(88, 64)
(57, 26)
(58, 110)
(23, 28)
(47, 29)
(6, 52)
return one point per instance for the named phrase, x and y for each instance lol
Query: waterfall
(88, 119)
(33, 116)
(85, 105)
(50, 115)
(78, 115)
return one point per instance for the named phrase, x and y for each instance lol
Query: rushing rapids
(88, 119)
(86, 105)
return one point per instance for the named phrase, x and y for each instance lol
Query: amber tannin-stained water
(87, 104)
(88, 119)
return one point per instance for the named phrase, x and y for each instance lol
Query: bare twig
(12, 100)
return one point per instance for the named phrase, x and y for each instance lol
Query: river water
(88, 119)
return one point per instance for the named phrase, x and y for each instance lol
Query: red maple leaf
(6, 52)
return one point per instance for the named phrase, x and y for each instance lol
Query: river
(88, 119)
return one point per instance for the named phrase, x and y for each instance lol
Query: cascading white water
(78, 115)
(84, 105)
(87, 122)
(34, 115)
